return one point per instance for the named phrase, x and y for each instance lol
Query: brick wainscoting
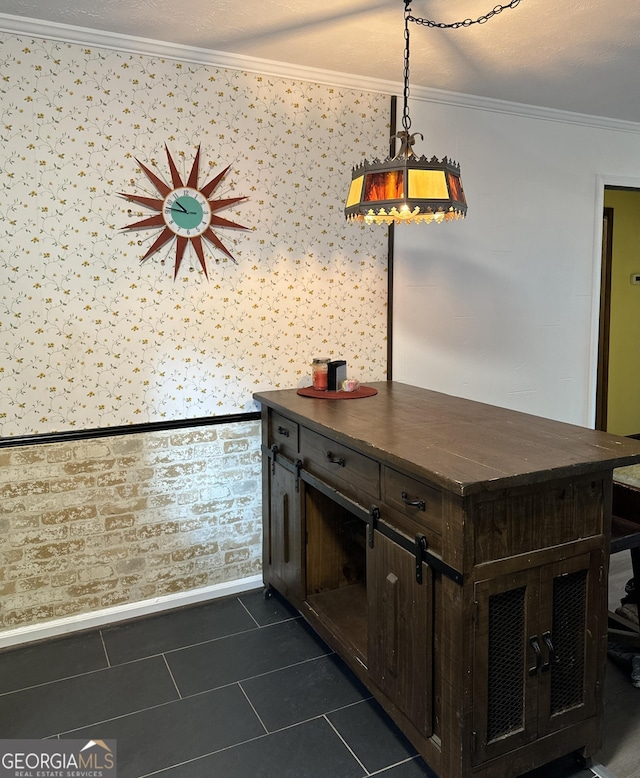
(92, 524)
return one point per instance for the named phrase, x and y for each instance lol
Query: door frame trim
(602, 383)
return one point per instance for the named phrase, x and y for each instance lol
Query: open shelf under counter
(343, 612)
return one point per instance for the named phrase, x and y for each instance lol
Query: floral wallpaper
(89, 336)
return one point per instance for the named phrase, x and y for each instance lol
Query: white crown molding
(21, 25)
(522, 109)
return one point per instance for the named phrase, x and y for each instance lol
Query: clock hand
(180, 206)
(188, 213)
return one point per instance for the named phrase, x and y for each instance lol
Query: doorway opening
(618, 370)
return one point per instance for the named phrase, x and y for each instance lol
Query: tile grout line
(397, 764)
(243, 742)
(266, 731)
(270, 624)
(104, 648)
(209, 691)
(346, 745)
(248, 612)
(172, 678)
(315, 717)
(205, 756)
(267, 734)
(266, 672)
(116, 718)
(63, 679)
(187, 646)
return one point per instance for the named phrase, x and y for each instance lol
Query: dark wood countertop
(464, 446)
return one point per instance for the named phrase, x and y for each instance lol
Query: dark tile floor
(237, 688)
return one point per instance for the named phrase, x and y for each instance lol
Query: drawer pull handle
(419, 504)
(283, 431)
(335, 460)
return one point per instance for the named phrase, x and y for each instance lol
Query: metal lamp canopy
(406, 188)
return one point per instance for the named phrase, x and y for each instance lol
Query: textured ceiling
(574, 55)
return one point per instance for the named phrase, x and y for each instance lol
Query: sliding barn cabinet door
(285, 549)
(536, 663)
(400, 639)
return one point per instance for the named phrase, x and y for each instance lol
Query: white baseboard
(87, 621)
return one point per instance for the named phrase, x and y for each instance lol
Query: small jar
(320, 374)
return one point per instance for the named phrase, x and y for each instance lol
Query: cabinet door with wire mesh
(536, 652)
(570, 634)
(507, 657)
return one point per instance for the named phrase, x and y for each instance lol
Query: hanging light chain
(406, 120)
(408, 17)
(467, 22)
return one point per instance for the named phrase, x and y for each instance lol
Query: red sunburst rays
(157, 220)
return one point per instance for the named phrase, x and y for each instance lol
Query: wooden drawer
(339, 466)
(284, 434)
(530, 518)
(417, 507)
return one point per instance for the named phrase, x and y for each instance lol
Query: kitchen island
(455, 555)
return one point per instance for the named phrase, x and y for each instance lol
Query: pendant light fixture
(406, 188)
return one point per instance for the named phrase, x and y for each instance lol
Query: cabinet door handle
(546, 636)
(283, 431)
(535, 645)
(335, 460)
(374, 516)
(419, 504)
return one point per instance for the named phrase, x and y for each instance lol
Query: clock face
(187, 212)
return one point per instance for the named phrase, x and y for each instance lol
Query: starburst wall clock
(185, 212)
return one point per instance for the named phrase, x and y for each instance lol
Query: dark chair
(625, 536)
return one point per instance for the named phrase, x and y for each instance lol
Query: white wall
(502, 307)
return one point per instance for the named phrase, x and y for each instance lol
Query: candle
(320, 374)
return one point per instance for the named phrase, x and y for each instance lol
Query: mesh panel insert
(506, 663)
(567, 672)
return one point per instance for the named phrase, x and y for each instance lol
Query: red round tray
(361, 391)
